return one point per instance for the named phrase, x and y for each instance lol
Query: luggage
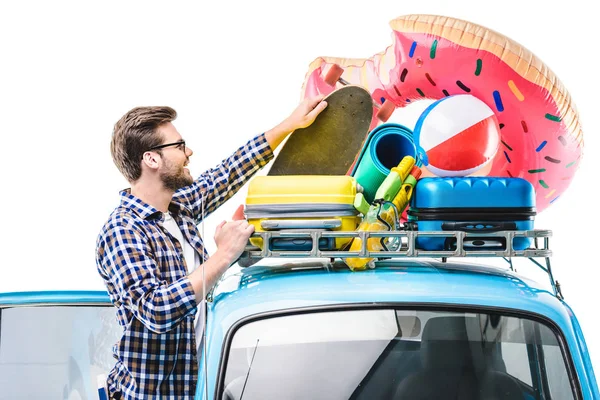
(472, 204)
(279, 203)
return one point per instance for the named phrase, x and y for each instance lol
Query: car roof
(275, 284)
(272, 285)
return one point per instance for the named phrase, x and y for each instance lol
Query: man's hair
(134, 134)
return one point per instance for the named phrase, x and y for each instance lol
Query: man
(148, 250)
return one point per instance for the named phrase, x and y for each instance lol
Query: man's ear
(151, 159)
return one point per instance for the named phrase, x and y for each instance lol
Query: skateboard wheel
(334, 73)
(385, 111)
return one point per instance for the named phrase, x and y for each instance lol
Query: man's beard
(175, 180)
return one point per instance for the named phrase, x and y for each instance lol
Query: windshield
(54, 352)
(395, 354)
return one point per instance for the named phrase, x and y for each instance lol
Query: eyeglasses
(181, 145)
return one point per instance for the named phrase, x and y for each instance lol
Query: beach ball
(457, 135)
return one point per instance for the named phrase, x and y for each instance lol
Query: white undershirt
(192, 260)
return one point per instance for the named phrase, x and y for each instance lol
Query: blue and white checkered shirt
(144, 270)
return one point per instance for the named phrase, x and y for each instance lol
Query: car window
(55, 352)
(394, 354)
(537, 342)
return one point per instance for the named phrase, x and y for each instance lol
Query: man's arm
(217, 185)
(125, 261)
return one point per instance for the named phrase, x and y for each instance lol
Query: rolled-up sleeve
(217, 185)
(124, 259)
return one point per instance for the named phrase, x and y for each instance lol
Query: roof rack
(404, 244)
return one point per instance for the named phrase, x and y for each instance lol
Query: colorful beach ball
(457, 135)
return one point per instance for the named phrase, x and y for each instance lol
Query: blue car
(301, 325)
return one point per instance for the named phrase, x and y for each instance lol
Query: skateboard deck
(330, 145)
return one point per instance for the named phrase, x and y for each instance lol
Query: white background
(69, 70)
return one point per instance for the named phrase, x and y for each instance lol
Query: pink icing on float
(434, 57)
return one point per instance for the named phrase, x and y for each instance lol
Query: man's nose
(188, 151)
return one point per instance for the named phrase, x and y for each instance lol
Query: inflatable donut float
(433, 57)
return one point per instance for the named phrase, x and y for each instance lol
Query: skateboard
(330, 145)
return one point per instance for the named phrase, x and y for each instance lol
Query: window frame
(436, 307)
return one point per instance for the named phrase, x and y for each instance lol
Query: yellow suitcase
(302, 202)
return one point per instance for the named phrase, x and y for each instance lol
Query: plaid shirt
(144, 270)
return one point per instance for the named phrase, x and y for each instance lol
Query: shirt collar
(143, 209)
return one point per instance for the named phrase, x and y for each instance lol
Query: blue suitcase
(472, 204)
